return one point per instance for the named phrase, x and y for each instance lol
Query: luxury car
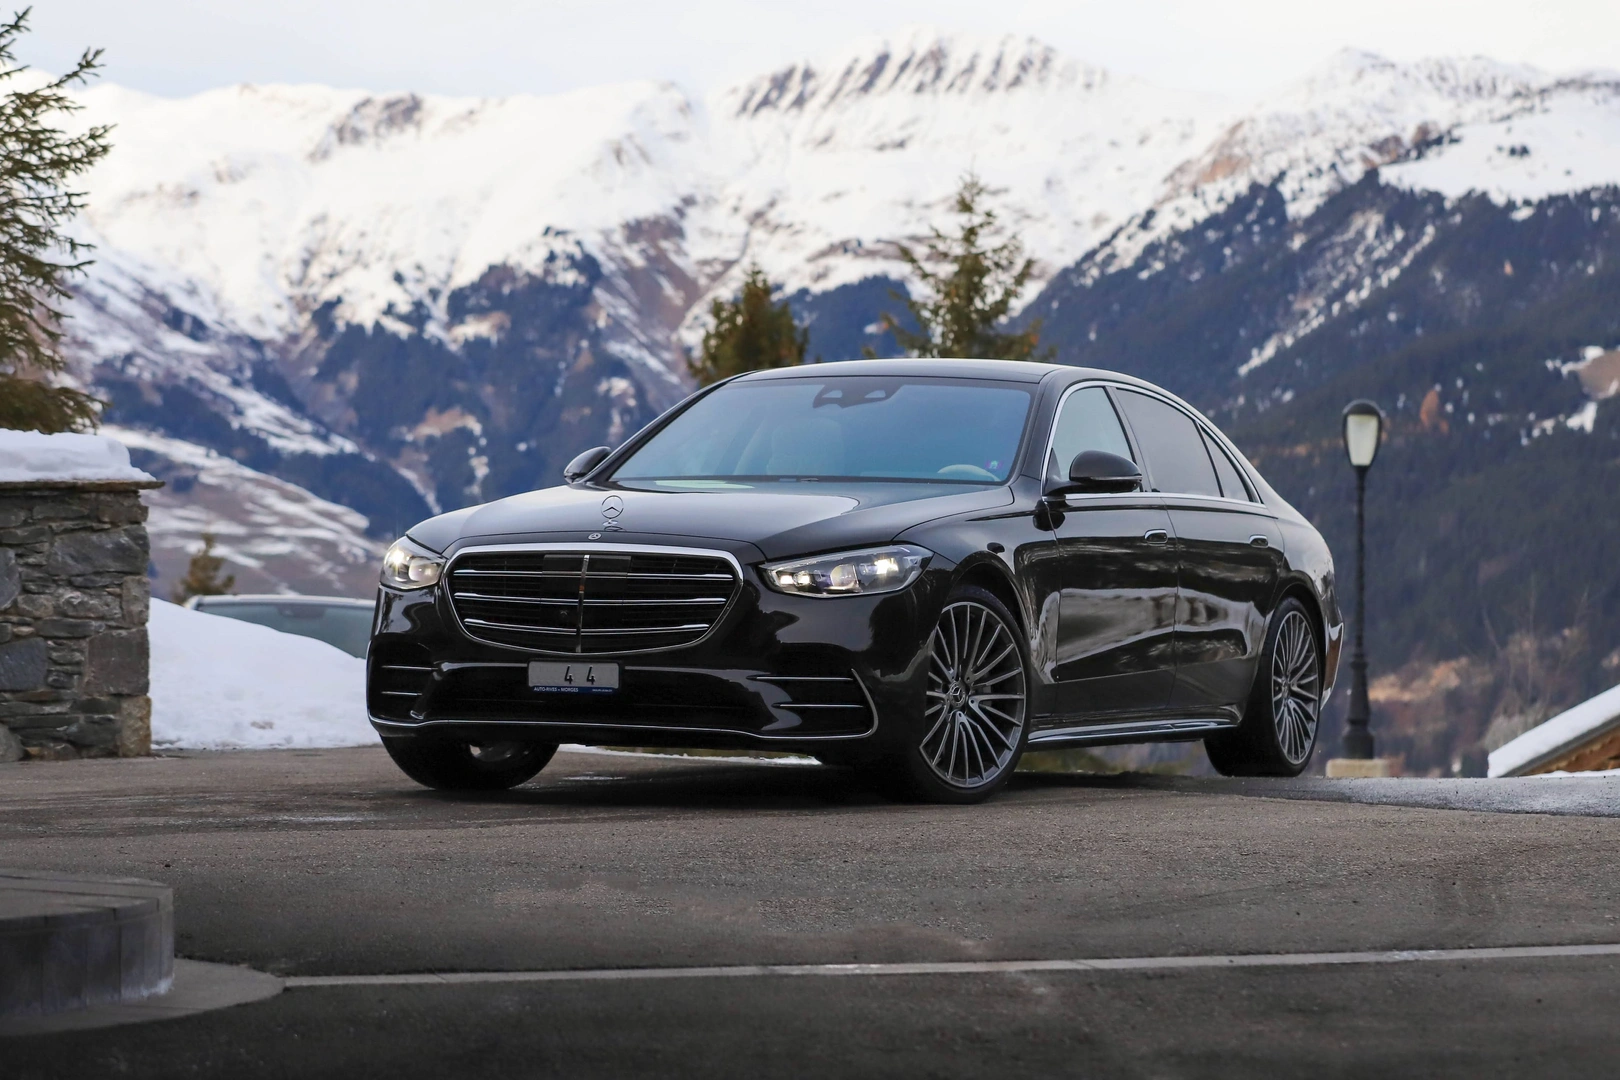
(336, 620)
(921, 568)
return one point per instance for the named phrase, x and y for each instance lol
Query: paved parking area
(329, 863)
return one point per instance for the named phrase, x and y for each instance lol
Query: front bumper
(779, 671)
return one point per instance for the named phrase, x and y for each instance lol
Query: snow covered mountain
(403, 303)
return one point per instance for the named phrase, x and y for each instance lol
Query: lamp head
(1363, 429)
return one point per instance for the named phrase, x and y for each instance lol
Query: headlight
(877, 570)
(409, 565)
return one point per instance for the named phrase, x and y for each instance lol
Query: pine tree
(37, 161)
(750, 333)
(970, 284)
(202, 574)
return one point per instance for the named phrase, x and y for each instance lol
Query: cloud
(478, 47)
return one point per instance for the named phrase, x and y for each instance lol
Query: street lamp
(1363, 427)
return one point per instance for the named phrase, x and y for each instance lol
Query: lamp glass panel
(1361, 438)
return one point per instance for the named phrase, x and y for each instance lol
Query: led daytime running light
(878, 570)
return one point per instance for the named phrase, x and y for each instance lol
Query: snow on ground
(27, 456)
(223, 684)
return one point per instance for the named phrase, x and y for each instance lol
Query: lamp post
(1363, 427)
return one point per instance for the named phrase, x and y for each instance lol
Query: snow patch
(1569, 143)
(224, 684)
(1586, 720)
(30, 456)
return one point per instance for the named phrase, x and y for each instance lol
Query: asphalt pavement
(320, 864)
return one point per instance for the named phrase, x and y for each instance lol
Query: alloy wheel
(976, 696)
(1295, 687)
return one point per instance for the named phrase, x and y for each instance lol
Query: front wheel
(976, 705)
(1279, 726)
(458, 765)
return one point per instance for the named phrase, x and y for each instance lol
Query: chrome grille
(590, 601)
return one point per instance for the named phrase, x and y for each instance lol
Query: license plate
(549, 677)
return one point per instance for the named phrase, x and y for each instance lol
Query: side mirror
(584, 463)
(1095, 472)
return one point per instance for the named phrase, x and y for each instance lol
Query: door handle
(1259, 541)
(1156, 536)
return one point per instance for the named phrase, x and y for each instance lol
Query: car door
(1107, 622)
(1229, 551)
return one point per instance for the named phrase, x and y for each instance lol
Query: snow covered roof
(1558, 737)
(29, 458)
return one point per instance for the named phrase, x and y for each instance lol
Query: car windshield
(348, 626)
(861, 427)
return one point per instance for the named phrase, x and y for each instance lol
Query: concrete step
(68, 941)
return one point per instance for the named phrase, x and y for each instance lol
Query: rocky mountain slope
(399, 303)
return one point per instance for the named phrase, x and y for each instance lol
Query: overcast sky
(177, 47)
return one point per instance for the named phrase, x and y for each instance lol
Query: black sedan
(917, 567)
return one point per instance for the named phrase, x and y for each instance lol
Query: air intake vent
(590, 602)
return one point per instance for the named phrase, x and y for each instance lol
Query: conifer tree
(750, 333)
(970, 283)
(38, 160)
(202, 574)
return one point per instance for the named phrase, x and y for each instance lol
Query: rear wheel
(458, 765)
(1279, 727)
(976, 710)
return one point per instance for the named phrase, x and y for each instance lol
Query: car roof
(1027, 371)
(1004, 370)
(279, 598)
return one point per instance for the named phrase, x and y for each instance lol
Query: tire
(458, 765)
(1283, 717)
(974, 728)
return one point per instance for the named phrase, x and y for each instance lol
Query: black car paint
(1131, 634)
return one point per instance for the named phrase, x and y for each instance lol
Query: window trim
(1208, 431)
(1057, 416)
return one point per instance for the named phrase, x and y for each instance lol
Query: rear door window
(1177, 459)
(1232, 485)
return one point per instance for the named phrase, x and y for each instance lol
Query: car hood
(805, 519)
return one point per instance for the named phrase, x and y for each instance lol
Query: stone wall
(74, 599)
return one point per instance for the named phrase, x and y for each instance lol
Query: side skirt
(1128, 731)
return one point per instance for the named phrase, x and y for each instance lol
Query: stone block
(95, 604)
(135, 727)
(1358, 768)
(117, 662)
(104, 551)
(12, 514)
(33, 715)
(120, 508)
(24, 664)
(33, 605)
(62, 509)
(23, 535)
(11, 747)
(97, 581)
(137, 600)
(10, 578)
(51, 750)
(93, 736)
(66, 628)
